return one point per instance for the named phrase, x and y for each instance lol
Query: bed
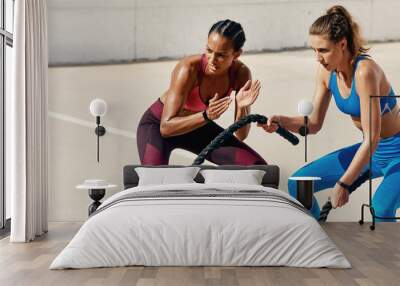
(201, 224)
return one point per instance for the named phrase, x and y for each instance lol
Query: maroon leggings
(156, 150)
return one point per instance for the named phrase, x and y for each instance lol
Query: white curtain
(26, 123)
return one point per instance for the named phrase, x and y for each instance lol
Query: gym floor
(374, 255)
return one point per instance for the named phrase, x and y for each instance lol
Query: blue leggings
(385, 162)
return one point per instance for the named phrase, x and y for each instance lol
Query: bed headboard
(270, 179)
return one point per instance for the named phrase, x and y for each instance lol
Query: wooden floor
(374, 255)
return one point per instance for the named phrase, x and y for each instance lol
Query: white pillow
(163, 176)
(248, 177)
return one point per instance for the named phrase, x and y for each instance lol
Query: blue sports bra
(351, 104)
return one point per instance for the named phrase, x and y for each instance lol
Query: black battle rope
(228, 133)
(328, 205)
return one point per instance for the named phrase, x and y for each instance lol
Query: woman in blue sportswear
(347, 73)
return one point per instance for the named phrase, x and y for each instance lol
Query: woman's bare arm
(321, 102)
(182, 80)
(243, 75)
(367, 78)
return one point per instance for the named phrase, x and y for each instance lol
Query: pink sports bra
(193, 101)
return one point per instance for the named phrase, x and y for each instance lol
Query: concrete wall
(99, 31)
(129, 89)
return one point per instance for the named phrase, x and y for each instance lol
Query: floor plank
(374, 255)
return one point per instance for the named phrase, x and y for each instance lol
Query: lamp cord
(305, 137)
(97, 133)
(98, 141)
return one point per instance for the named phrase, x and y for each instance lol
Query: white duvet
(181, 231)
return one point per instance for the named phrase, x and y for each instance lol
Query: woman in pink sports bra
(183, 117)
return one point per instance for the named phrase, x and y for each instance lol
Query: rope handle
(228, 132)
(356, 184)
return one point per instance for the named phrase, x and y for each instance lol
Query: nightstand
(97, 190)
(305, 189)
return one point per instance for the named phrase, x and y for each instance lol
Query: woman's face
(220, 54)
(329, 54)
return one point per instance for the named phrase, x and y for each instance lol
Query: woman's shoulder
(368, 69)
(190, 63)
(367, 64)
(186, 69)
(242, 72)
